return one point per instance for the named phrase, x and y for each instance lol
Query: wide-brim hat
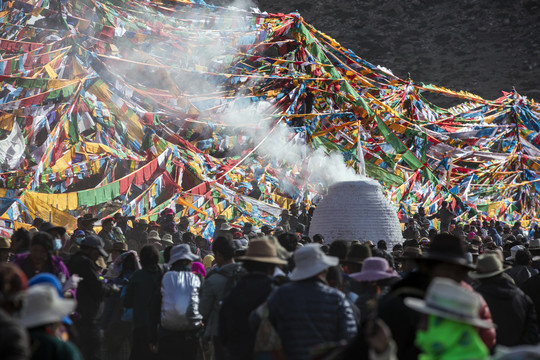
(88, 218)
(488, 265)
(118, 246)
(374, 269)
(47, 226)
(449, 249)
(153, 235)
(357, 254)
(534, 244)
(262, 251)
(447, 299)
(310, 260)
(410, 253)
(43, 305)
(513, 252)
(4, 243)
(182, 252)
(167, 238)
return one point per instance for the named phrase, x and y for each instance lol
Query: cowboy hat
(262, 251)
(43, 306)
(447, 299)
(357, 254)
(449, 249)
(410, 253)
(310, 261)
(374, 269)
(534, 244)
(488, 265)
(88, 217)
(47, 227)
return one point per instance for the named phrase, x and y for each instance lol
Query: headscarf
(198, 268)
(450, 340)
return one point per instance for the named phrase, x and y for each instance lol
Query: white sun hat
(43, 306)
(447, 299)
(310, 261)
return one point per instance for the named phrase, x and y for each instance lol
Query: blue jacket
(309, 313)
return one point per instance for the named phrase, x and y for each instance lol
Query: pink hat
(471, 235)
(374, 269)
(169, 212)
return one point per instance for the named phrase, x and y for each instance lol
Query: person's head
(184, 222)
(223, 248)
(20, 241)
(517, 225)
(421, 211)
(149, 256)
(219, 221)
(201, 242)
(318, 238)
(311, 262)
(13, 283)
(334, 277)
(41, 248)
(523, 257)
(285, 215)
(339, 249)
(381, 245)
(444, 204)
(447, 258)
(92, 245)
(261, 256)
(288, 241)
(266, 230)
(107, 224)
(86, 222)
(432, 233)
(182, 255)
(247, 228)
(411, 224)
(37, 222)
(117, 249)
(167, 254)
(188, 238)
(5, 245)
(43, 307)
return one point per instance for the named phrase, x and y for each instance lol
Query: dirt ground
(481, 46)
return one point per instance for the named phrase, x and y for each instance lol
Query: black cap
(95, 242)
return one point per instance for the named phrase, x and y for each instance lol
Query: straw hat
(43, 306)
(310, 261)
(513, 252)
(488, 265)
(447, 299)
(4, 243)
(262, 251)
(182, 252)
(374, 269)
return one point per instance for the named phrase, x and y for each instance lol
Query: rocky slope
(482, 46)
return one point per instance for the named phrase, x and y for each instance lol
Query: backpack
(232, 280)
(179, 304)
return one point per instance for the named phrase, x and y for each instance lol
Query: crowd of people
(154, 290)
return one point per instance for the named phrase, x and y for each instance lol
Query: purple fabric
(59, 268)
(198, 268)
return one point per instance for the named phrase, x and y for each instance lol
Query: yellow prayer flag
(50, 71)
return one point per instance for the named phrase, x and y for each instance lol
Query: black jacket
(234, 329)
(511, 310)
(531, 287)
(401, 319)
(91, 290)
(14, 341)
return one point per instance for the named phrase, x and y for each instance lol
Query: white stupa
(356, 210)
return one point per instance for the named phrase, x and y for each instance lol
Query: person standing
(217, 284)
(137, 297)
(251, 291)
(302, 308)
(445, 216)
(90, 295)
(512, 311)
(178, 307)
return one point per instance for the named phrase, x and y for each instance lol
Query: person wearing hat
(217, 285)
(300, 309)
(534, 249)
(251, 291)
(42, 314)
(14, 340)
(36, 224)
(355, 257)
(106, 234)
(449, 329)
(408, 259)
(5, 252)
(266, 230)
(90, 294)
(218, 221)
(445, 258)
(137, 296)
(57, 233)
(284, 222)
(86, 224)
(178, 304)
(116, 249)
(168, 226)
(445, 215)
(40, 259)
(512, 311)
